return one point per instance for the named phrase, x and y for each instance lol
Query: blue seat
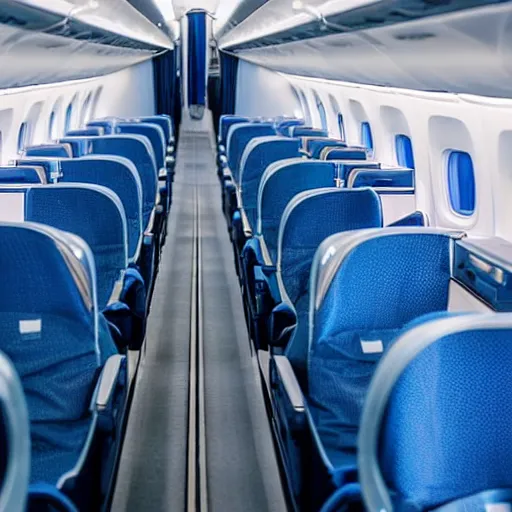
(86, 132)
(107, 125)
(315, 146)
(79, 146)
(436, 418)
(61, 150)
(348, 153)
(225, 123)
(257, 156)
(50, 166)
(281, 181)
(284, 126)
(308, 219)
(381, 178)
(119, 175)
(162, 120)
(14, 440)
(307, 131)
(22, 174)
(365, 287)
(53, 333)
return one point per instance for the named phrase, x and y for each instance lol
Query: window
(321, 112)
(69, 114)
(84, 116)
(461, 183)
(51, 127)
(22, 137)
(404, 152)
(366, 136)
(341, 127)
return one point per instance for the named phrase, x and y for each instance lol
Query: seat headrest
(22, 174)
(89, 132)
(49, 150)
(348, 153)
(308, 131)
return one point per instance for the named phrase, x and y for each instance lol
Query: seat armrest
(245, 224)
(43, 496)
(290, 384)
(162, 173)
(108, 380)
(282, 324)
(417, 218)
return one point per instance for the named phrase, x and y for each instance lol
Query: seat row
(82, 224)
(338, 282)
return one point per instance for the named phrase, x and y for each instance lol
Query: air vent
(420, 36)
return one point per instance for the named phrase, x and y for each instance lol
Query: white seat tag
(372, 346)
(30, 326)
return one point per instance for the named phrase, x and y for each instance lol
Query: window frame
(21, 143)
(321, 112)
(453, 174)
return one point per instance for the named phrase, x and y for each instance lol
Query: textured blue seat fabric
(445, 434)
(152, 132)
(307, 131)
(137, 149)
(82, 209)
(399, 178)
(280, 183)
(86, 132)
(50, 166)
(239, 136)
(347, 153)
(48, 329)
(308, 220)
(164, 121)
(53, 150)
(107, 125)
(345, 167)
(316, 146)
(225, 123)
(22, 174)
(119, 175)
(284, 126)
(79, 146)
(257, 156)
(383, 280)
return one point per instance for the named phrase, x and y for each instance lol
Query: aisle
(240, 471)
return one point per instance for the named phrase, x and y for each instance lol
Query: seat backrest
(284, 126)
(395, 187)
(107, 125)
(86, 132)
(436, 420)
(162, 120)
(91, 212)
(137, 149)
(239, 136)
(22, 174)
(154, 134)
(365, 287)
(79, 146)
(280, 183)
(345, 167)
(347, 153)
(225, 123)
(14, 439)
(309, 218)
(308, 131)
(49, 165)
(259, 153)
(50, 331)
(315, 146)
(119, 175)
(49, 150)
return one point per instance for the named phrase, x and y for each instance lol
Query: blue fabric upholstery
(225, 123)
(137, 149)
(86, 132)
(398, 178)
(107, 125)
(53, 150)
(384, 280)
(307, 131)
(347, 153)
(238, 138)
(119, 175)
(316, 146)
(22, 174)
(284, 126)
(258, 155)
(445, 440)
(308, 220)
(280, 183)
(162, 120)
(50, 166)
(49, 329)
(79, 146)
(154, 134)
(82, 209)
